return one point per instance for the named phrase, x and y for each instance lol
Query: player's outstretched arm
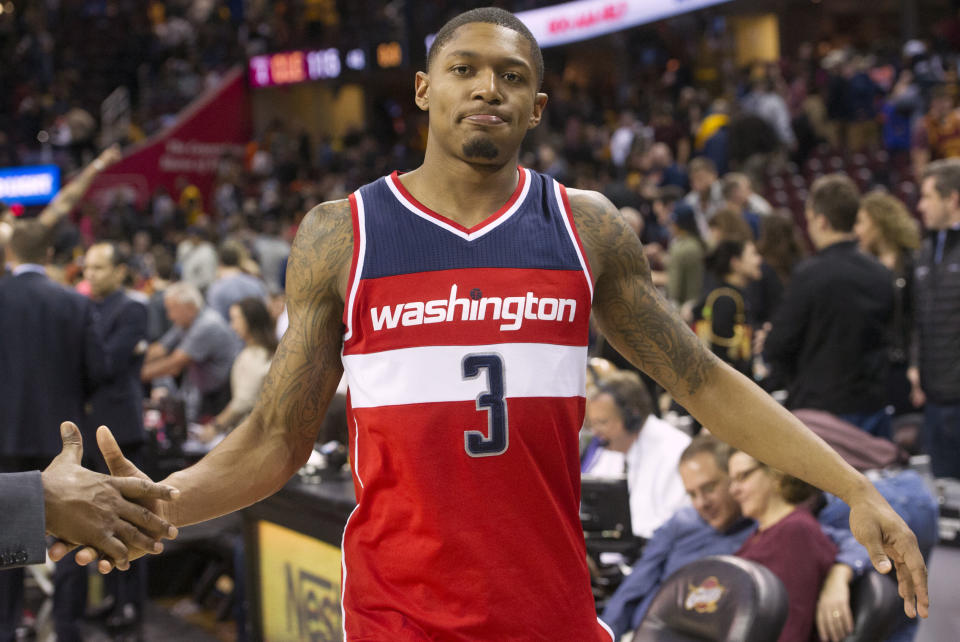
(643, 327)
(261, 454)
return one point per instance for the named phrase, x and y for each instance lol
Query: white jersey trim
(343, 568)
(358, 268)
(433, 374)
(468, 236)
(567, 222)
(356, 450)
(606, 628)
(343, 537)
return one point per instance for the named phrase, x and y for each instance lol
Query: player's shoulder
(597, 219)
(323, 247)
(330, 222)
(590, 203)
(337, 212)
(602, 229)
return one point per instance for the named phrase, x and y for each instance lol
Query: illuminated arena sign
(567, 22)
(292, 67)
(32, 185)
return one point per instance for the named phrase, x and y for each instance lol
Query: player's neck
(460, 191)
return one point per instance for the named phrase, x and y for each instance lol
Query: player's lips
(485, 119)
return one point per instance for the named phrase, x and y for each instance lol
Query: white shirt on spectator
(656, 490)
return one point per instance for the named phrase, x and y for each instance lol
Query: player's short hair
(945, 174)
(836, 197)
(184, 292)
(30, 241)
(489, 15)
(710, 445)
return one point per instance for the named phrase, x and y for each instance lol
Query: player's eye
(512, 77)
(460, 70)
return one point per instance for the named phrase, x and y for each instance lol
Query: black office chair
(876, 606)
(720, 598)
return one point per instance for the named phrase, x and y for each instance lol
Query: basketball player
(456, 297)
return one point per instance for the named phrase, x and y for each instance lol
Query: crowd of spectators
(729, 189)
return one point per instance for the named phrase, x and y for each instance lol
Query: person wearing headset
(636, 443)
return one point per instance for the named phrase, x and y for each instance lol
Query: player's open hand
(891, 544)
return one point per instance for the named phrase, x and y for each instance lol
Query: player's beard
(480, 147)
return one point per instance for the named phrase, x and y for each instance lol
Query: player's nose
(487, 87)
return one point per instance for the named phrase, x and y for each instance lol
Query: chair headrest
(875, 603)
(717, 598)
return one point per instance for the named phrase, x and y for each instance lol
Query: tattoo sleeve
(265, 450)
(629, 310)
(307, 368)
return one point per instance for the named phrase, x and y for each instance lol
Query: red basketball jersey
(465, 355)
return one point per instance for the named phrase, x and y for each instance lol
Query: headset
(632, 416)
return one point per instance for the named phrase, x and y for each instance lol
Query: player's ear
(539, 102)
(421, 90)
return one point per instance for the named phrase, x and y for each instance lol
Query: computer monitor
(605, 507)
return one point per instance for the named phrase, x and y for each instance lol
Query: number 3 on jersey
(496, 440)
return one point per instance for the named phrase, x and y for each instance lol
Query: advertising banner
(299, 585)
(30, 185)
(583, 19)
(187, 152)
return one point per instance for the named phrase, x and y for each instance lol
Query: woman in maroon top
(788, 540)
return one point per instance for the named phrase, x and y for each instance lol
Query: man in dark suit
(76, 505)
(117, 402)
(51, 357)
(831, 334)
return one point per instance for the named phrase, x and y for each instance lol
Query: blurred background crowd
(738, 141)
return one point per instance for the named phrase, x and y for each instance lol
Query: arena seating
(875, 605)
(721, 598)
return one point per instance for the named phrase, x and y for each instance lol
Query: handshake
(116, 519)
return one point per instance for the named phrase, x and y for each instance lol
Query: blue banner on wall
(33, 185)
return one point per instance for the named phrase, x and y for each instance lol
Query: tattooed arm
(261, 454)
(643, 327)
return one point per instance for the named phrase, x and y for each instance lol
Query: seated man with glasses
(713, 525)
